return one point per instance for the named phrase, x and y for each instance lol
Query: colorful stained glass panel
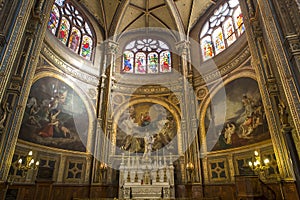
(74, 40)
(152, 63)
(86, 47)
(127, 62)
(140, 63)
(218, 40)
(239, 21)
(64, 30)
(165, 61)
(207, 48)
(229, 31)
(53, 21)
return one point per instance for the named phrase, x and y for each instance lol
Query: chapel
(149, 99)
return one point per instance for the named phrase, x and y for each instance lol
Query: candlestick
(129, 158)
(156, 157)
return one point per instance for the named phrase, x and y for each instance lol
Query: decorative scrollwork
(5, 110)
(201, 93)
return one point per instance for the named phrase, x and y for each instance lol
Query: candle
(156, 157)
(129, 158)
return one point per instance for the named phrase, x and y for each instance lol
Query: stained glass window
(146, 56)
(165, 61)
(140, 63)
(71, 28)
(128, 61)
(153, 62)
(221, 29)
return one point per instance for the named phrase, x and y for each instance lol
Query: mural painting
(146, 125)
(55, 116)
(245, 121)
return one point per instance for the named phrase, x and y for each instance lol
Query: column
(268, 83)
(19, 64)
(189, 120)
(104, 112)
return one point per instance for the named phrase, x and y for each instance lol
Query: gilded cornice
(224, 69)
(147, 89)
(67, 68)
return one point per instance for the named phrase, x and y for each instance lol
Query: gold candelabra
(29, 163)
(103, 166)
(189, 167)
(103, 171)
(259, 166)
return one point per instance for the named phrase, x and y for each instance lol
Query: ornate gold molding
(67, 68)
(147, 89)
(221, 71)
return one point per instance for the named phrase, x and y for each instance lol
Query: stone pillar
(104, 105)
(19, 64)
(189, 121)
(287, 72)
(10, 40)
(286, 129)
(267, 81)
(288, 17)
(287, 62)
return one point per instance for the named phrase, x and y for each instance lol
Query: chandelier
(28, 164)
(259, 165)
(190, 167)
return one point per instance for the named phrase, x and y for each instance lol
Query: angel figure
(229, 131)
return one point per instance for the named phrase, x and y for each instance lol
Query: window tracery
(71, 28)
(222, 29)
(146, 56)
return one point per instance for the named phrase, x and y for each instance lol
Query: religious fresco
(55, 116)
(245, 121)
(146, 123)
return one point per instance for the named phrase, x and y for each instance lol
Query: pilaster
(283, 65)
(18, 65)
(189, 122)
(104, 101)
(268, 84)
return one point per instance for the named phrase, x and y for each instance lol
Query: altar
(146, 178)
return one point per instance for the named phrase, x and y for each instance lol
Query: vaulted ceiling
(119, 16)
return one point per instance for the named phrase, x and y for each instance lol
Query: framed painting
(245, 122)
(55, 116)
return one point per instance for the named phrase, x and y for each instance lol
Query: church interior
(149, 99)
